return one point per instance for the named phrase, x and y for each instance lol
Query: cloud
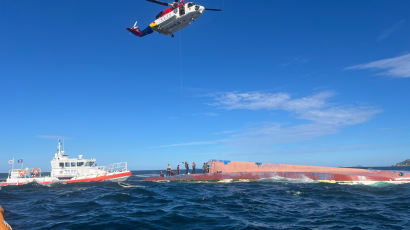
(191, 143)
(340, 116)
(268, 134)
(386, 33)
(52, 137)
(313, 108)
(207, 114)
(317, 115)
(268, 101)
(395, 67)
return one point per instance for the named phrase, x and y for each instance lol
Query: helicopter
(177, 16)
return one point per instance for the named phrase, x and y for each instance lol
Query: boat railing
(115, 167)
(24, 173)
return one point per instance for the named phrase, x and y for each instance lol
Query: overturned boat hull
(237, 170)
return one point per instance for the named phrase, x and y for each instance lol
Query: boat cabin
(64, 168)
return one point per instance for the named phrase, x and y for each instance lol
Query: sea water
(265, 204)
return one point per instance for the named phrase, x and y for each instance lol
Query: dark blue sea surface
(267, 204)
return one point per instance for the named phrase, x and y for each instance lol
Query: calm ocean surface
(267, 204)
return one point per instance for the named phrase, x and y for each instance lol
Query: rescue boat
(220, 170)
(68, 170)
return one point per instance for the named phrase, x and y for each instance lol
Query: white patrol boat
(68, 170)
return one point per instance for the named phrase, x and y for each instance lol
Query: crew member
(204, 168)
(3, 224)
(161, 174)
(169, 170)
(178, 170)
(186, 167)
(193, 167)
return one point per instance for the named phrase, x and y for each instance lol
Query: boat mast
(59, 147)
(12, 167)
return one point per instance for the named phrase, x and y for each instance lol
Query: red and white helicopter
(174, 18)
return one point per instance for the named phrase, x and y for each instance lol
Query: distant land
(403, 163)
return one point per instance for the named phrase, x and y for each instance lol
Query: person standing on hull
(169, 170)
(204, 168)
(186, 167)
(193, 167)
(178, 170)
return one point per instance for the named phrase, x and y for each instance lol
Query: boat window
(190, 4)
(89, 163)
(72, 164)
(80, 164)
(61, 165)
(67, 164)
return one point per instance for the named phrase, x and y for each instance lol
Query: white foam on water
(295, 193)
(288, 180)
(126, 185)
(146, 175)
(225, 181)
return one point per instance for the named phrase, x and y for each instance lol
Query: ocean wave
(273, 203)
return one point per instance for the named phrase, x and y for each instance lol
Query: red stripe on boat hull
(97, 179)
(101, 178)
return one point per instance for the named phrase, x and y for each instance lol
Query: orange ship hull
(237, 170)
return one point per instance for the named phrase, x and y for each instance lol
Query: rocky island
(404, 163)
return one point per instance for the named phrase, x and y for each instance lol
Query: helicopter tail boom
(135, 30)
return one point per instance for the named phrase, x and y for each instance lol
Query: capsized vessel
(220, 170)
(68, 170)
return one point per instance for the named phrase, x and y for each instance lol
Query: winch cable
(180, 72)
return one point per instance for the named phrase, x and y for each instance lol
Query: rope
(181, 78)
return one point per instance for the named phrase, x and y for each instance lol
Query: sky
(295, 82)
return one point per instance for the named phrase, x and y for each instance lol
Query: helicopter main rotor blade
(213, 9)
(159, 2)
